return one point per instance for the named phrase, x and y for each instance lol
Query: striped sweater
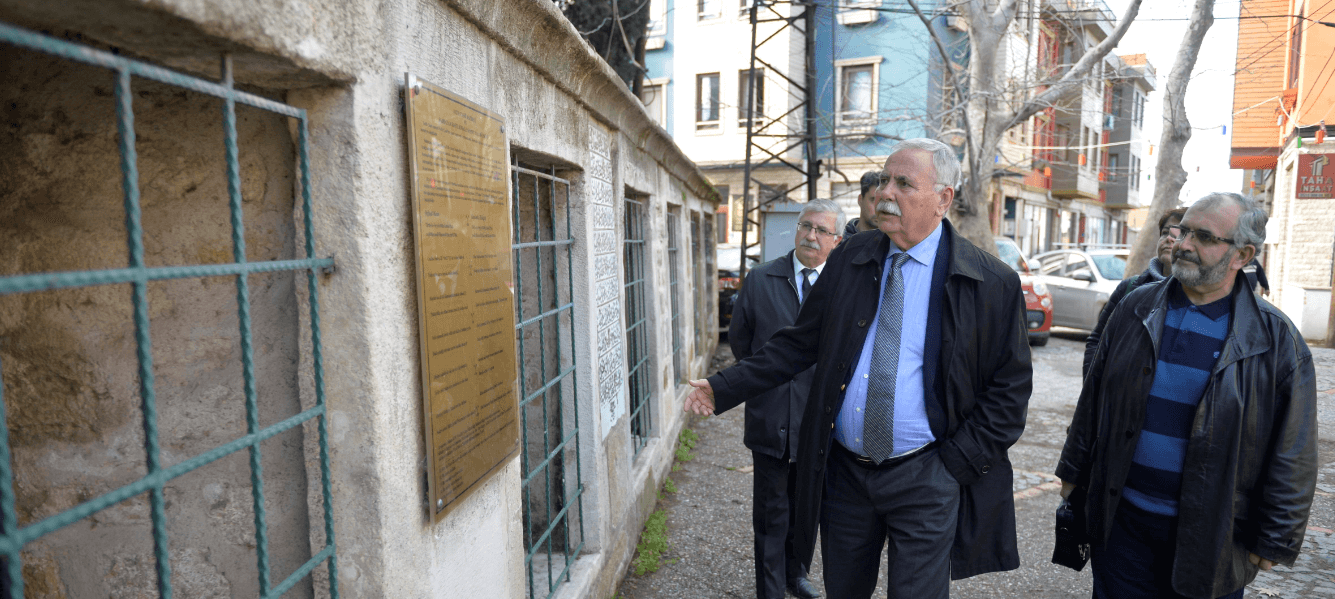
(1192, 338)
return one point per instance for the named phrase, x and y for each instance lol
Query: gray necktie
(806, 282)
(879, 423)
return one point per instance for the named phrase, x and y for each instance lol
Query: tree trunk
(987, 120)
(972, 210)
(1169, 176)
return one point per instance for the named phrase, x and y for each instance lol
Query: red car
(1037, 299)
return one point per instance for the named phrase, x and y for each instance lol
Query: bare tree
(617, 30)
(1168, 173)
(979, 105)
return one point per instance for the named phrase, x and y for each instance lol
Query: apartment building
(868, 81)
(1127, 145)
(1284, 111)
(877, 79)
(1070, 173)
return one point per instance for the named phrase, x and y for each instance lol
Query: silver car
(1080, 282)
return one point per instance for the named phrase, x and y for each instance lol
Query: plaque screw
(440, 504)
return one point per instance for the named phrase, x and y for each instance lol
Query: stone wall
(69, 356)
(343, 63)
(1301, 242)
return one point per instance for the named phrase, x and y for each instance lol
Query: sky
(1157, 33)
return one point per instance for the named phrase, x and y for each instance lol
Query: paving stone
(709, 520)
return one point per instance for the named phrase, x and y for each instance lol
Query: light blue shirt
(911, 429)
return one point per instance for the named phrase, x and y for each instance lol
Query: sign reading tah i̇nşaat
(465, 302)
(1316, 177)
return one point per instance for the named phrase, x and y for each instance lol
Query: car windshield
(1111, 266)
(1010, 255)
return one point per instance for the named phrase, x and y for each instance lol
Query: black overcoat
(766, 304)
(979, 384)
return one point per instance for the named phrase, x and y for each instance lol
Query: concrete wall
(71, 384)
(344, 63)
(1299, 243)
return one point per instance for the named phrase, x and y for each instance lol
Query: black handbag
(1072, 546)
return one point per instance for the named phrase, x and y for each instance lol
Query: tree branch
(1086, 62)
(948, 66)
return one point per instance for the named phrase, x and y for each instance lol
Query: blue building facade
(873, 64)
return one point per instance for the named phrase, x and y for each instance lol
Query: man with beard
(866, 220)
(922, 382)
(768, 302)
(1158, 270)
(1194, 442)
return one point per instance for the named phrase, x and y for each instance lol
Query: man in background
(769, 301)
(866, 220)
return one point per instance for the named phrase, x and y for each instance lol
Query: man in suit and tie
(768, 302)
(922, 383)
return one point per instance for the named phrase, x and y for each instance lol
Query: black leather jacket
(1152, 274)
(1251, 463)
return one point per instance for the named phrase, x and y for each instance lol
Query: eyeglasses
(806, 227)
(1180, 232)
(1168, 232)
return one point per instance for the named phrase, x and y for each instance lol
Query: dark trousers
(773, 506)
(1137, 562)
(913, 504)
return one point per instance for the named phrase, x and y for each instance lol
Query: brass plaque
(465, 299)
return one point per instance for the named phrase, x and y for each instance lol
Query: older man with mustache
(921, 385)
(1192, 451)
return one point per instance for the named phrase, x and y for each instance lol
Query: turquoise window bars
(138, 275)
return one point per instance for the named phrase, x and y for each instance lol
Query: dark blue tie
(879, 423)
(806, 282)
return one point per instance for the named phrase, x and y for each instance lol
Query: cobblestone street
(709, 517)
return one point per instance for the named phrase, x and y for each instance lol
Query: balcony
(1095, 13)
(1074, 181)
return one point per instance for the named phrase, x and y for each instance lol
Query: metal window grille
(674, 287)
(544, 332)
(698, 274)
(138, 276)
(708, 301)
(638, 375)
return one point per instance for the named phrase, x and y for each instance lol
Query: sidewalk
(709, 518)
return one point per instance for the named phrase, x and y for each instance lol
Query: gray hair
(1250, 229)
(944, 161)
(822, 206)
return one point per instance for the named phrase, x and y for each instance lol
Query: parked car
(1081, 281)
(1037, 301)
(729, 280)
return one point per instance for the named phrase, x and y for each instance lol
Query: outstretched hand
(701, 399)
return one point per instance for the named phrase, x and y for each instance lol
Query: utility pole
(761, 136)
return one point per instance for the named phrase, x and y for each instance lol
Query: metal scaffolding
(801, 18)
